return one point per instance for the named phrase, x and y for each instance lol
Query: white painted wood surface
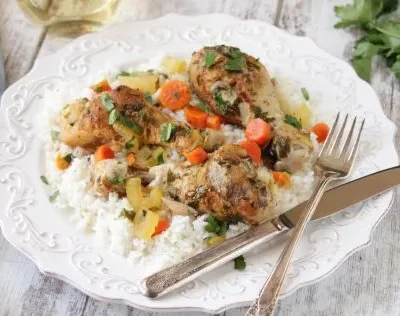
(365, 284)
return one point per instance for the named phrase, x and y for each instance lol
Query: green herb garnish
(240, 263)
(291, 120)
(130, 215)
(209, 58)
(187, 131)
(107, 102)
(115, 181)
(128, 74)
(305, 94)
(98, 89)
(149, 97)
(216, 226)
(44, 180)
(114, 116)
(221, 103)
(54, 135)
(131, 143)
(258, 113)
(131, 124)
(167, 131)
(68, 158)
(53, 197)
(202, 106)
(160, 158)
(236, 61)
(382, 36)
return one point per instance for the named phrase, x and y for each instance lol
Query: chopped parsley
(291, 120)
(202, 106)
(54, 135)
(160, 158)
(130, 215)
(131, 124)
(221, 103)
(107, 102)
(239, 263)
(114, 116)
(149, 97)
(305, 94)
(258, 113)
(98, 89)
(167, 131)
(131, 143)
(53, 197)
(68, 158)
(115, 181)
(236, 61)
(216, 226)
(44, 180)
(209, 58)
(128, 74)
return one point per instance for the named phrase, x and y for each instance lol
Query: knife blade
(333, 201)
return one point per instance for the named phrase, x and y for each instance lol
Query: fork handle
(266, 302)
(166, 280)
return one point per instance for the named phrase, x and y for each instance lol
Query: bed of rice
(101, 217)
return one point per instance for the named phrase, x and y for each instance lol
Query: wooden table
(368, 283)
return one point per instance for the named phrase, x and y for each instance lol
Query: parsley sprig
(382, 36)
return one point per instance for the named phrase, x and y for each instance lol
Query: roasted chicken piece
(226, 186)
(234, 84)
(85, 123)
(238, 87)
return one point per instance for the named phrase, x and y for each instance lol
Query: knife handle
(169, 279)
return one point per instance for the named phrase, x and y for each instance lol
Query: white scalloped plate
(41, 232)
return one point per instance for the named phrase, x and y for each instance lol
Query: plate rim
(41, 60)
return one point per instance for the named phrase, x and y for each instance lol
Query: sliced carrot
(130, 159)
(175, 95)
(253, 150)
(196, 117)
(322, 131)
(258, 131)
(163, 224)
(61, 163)
(282, 179)
(196, 156)
(103, 152)
(213, 121)
(101, 86)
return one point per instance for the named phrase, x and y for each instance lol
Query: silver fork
(335, 161)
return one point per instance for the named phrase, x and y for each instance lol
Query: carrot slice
(61, 163)
(253, 150)
(175, 95)
(162, 225)
(213, 121)
(130, 159)
(282, 179)
(196, 156)
(258, 131)
(196, 117)
(101, 86)
(103, 152)
(322, 131)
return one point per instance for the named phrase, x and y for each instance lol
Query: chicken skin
(225, 186)
(86, 123)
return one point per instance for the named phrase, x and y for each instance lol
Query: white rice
(101, 217)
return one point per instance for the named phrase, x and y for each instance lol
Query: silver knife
(333, 201)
